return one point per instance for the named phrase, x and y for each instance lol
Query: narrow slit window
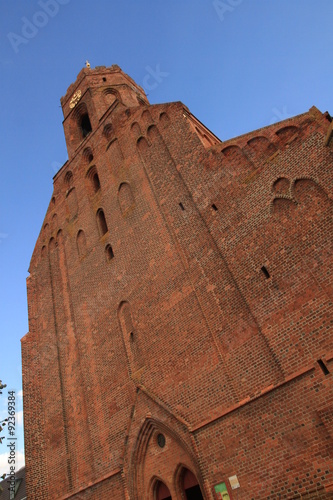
(96, 183)
(181, 206)
(102, 225)
(323, 367)
(214, 207)
(265, 272)
(109, 252)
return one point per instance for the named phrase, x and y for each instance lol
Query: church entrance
(162, 492)
(191, 486)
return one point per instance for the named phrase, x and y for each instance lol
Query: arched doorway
(160, 455)
(191, 486)
(162, 491)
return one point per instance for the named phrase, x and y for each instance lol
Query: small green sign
(221, 491)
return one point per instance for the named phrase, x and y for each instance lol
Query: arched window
(80, 125)
(102, 225)
(85, 125)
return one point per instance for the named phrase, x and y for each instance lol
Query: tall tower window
(85, 125)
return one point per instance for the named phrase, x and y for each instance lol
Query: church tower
(178, 306)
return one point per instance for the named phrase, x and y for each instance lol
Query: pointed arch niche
(81, 243)
(162, 464)
(125, 198)
(130, 335)
(110, 96)
(93, 182)
(72, 203)
(308, 210)
(237, 159)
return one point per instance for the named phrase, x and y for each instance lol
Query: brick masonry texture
(180, 286)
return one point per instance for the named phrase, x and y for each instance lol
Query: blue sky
(237, 64)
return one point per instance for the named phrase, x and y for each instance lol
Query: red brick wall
(204, 323)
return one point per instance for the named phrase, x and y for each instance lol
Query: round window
(161, 440)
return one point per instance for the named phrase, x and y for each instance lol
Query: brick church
(180, 307)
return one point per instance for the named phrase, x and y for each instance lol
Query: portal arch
(161, 455)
